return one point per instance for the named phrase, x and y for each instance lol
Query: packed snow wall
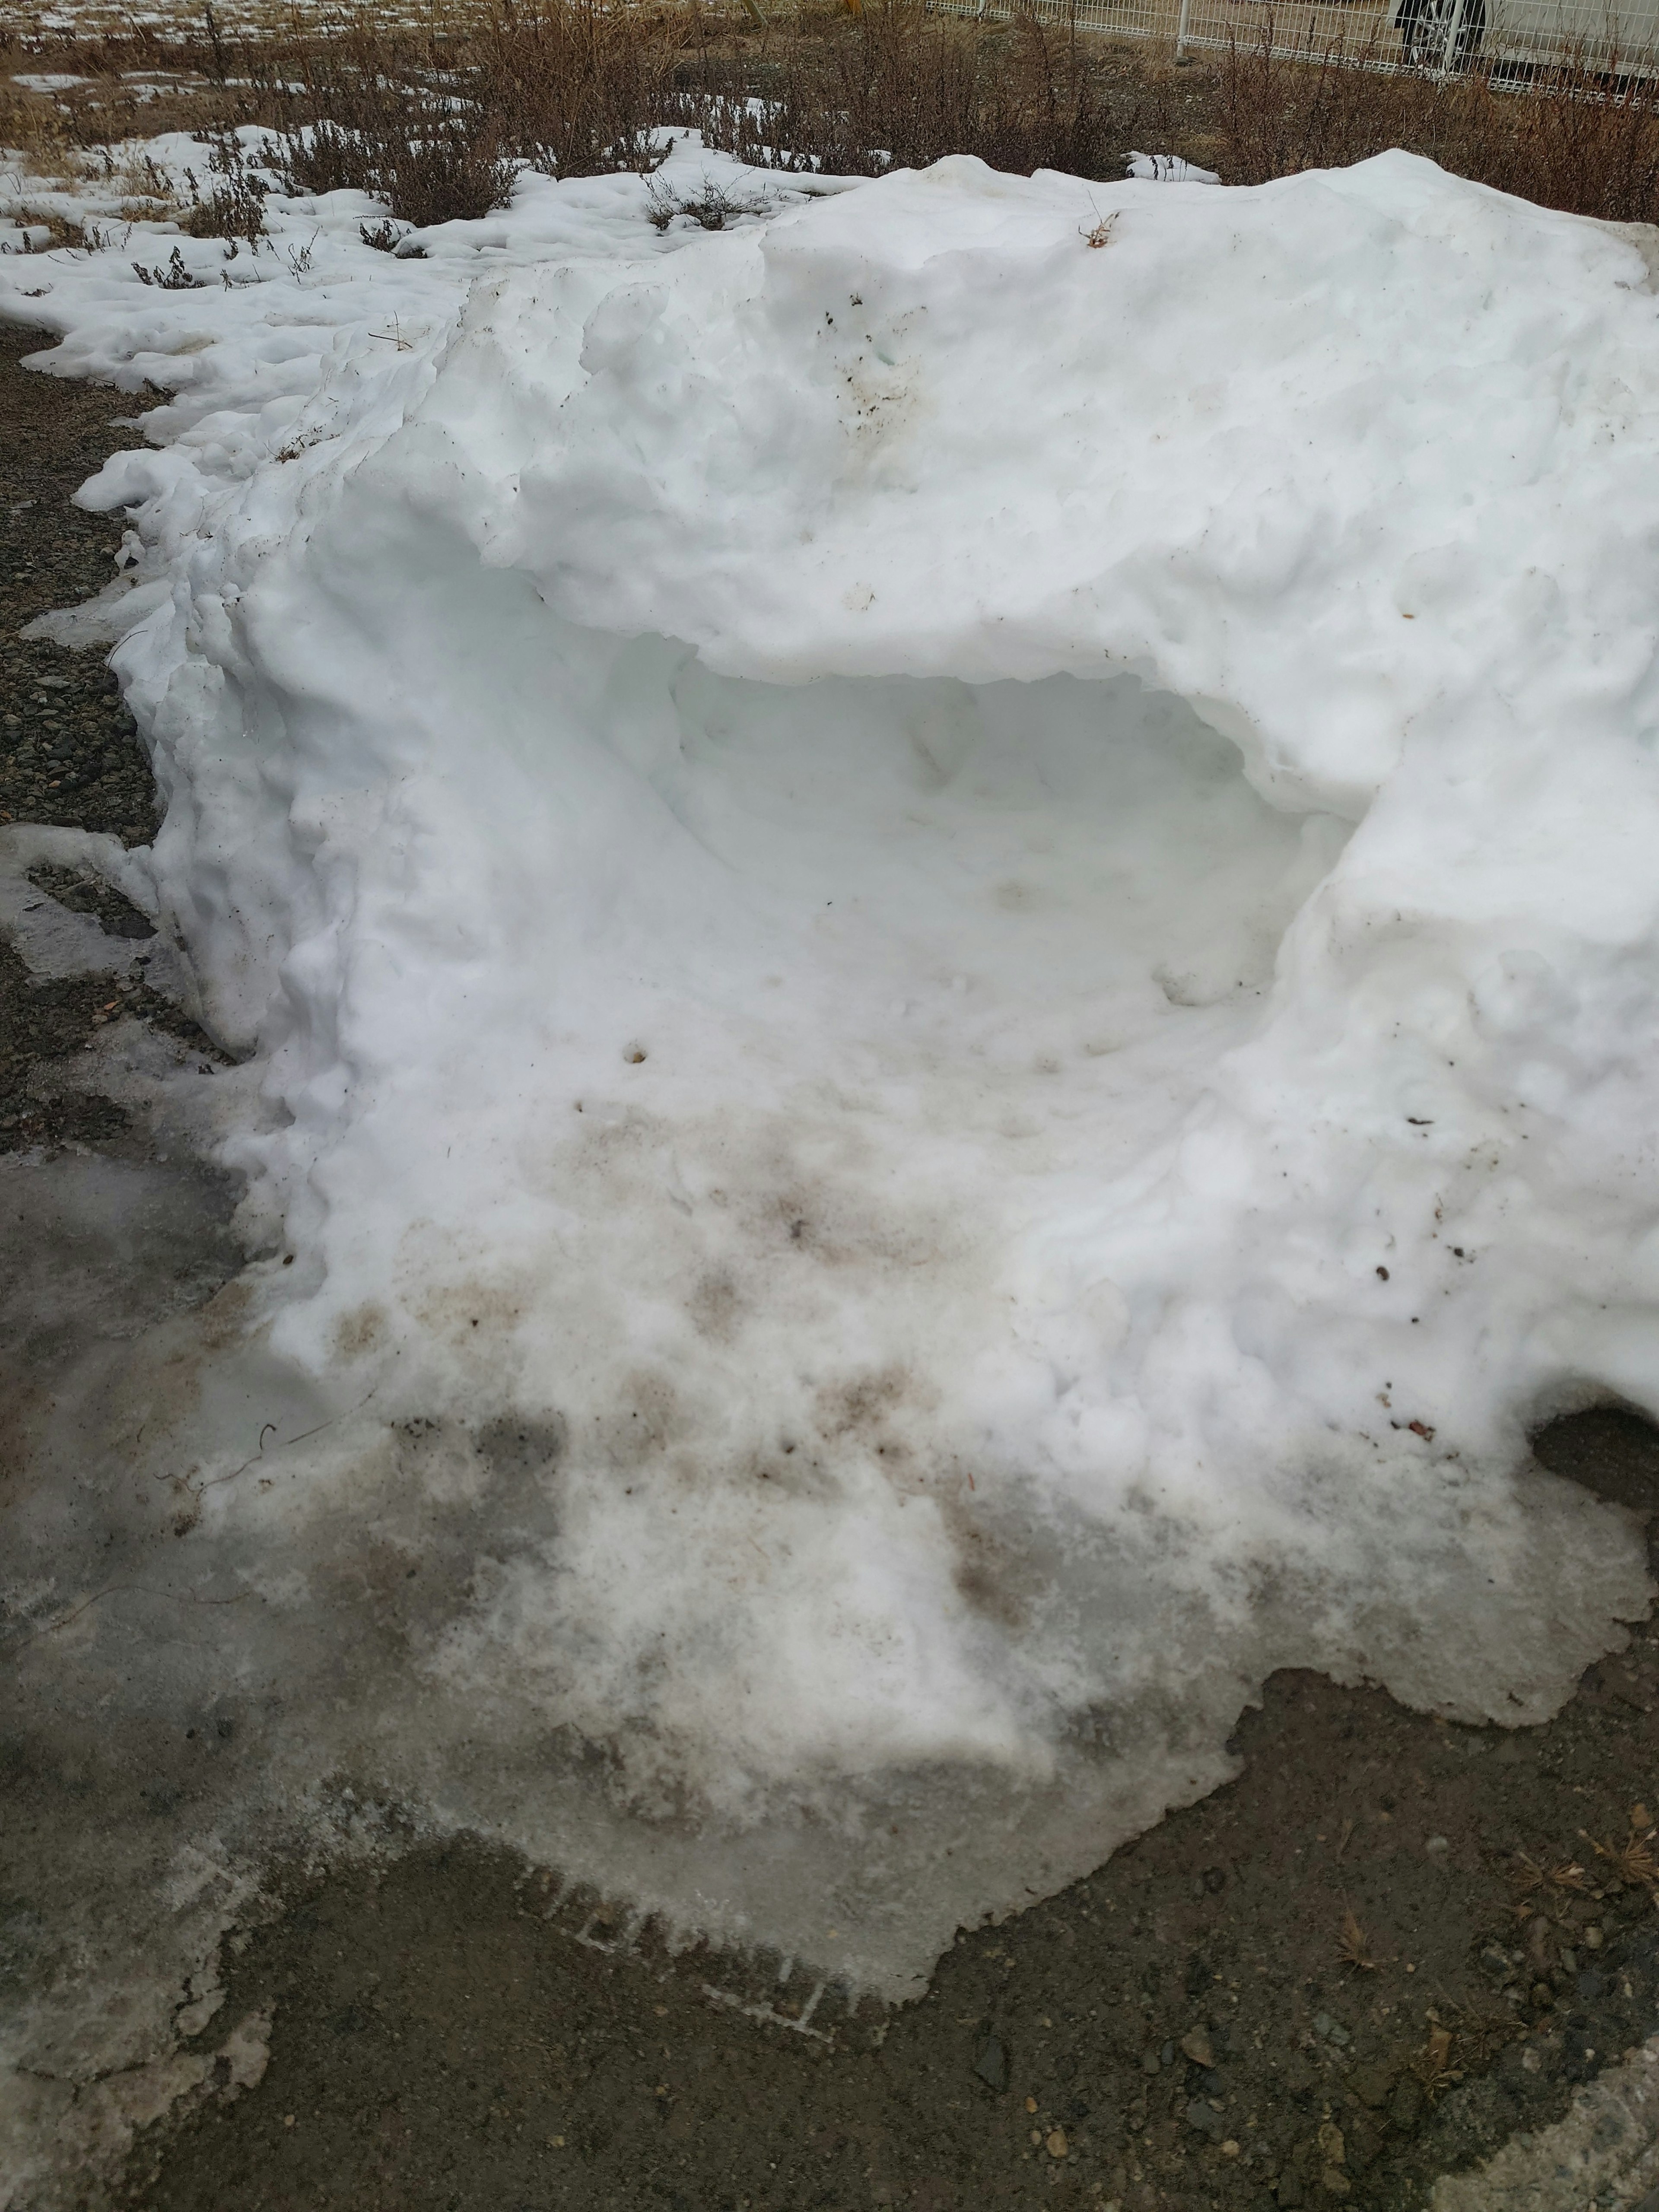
(946, 937)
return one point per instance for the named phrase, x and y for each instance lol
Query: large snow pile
(948, 935)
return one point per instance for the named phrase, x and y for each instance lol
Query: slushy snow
(945, 944)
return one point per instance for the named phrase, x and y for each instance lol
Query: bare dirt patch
(1367, 1962)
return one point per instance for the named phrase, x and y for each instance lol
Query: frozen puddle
(945, 948)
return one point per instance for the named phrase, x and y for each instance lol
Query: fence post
(1448, 52)
(1180, 31)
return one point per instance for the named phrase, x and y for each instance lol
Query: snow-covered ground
(943, 920)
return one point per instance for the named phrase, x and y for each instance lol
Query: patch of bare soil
(1385, 1948)
(68, 752)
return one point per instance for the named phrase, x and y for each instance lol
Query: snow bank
(950, 938)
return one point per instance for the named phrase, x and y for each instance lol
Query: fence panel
(1513, 37)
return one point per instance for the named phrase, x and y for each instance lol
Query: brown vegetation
(435, 121)
(1573, 137)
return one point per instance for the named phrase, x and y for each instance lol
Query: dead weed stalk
(1354, 1946)
(1633, 1863)
(1432, 2065)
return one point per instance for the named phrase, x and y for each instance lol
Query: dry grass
(435, 117)
(135, 85)
(1461, 2038)
(1530, 1881)
(36, 128)
(1633, 1863)
(440, 123)
(1433, 2065)
(1577, 137)
(1354, 1946)
(437, 121)
(896, 86)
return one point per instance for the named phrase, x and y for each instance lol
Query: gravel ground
(1386, 1948)
(68, 752)
(1326, 1984)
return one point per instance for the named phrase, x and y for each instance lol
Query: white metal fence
(1515, 38)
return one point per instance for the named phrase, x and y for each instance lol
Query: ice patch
(119, 607)
(53, 940)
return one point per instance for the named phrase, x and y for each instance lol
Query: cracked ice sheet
(950, 941)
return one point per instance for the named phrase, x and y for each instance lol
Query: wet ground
(1386, 1948)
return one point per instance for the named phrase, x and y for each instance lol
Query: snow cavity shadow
(1612, 1449)
(1023, 877)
